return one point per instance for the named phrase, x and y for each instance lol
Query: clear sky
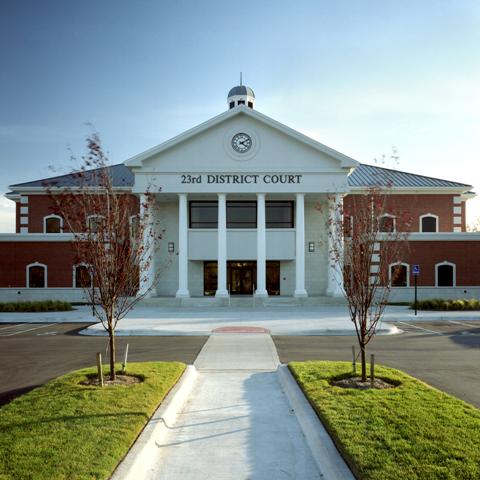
(359, 76)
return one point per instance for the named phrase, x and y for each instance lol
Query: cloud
(7, 216)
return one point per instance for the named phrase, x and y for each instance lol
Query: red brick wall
(15, 256)
(40, 206)
(465, 255)
(414, 206)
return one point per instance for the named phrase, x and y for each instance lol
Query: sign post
(416, 273)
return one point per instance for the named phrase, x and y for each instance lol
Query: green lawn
(64, 430)
(409, 432)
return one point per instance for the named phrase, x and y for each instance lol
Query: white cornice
(414, 190)
(437, 237)
(137, 160)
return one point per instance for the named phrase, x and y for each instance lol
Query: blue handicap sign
(416, 270)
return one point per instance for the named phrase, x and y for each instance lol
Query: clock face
(241, 142)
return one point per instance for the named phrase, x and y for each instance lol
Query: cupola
(241, 95)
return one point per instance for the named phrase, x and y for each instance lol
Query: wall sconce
(171, 247)
(311, 247)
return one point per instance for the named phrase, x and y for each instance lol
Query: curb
(143, 453)
(329, 462)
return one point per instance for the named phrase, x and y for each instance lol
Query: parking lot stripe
(465, 324)
(420, 328)
(28, 330)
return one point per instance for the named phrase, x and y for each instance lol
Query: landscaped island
(68, 430)
(411, 431)
(36, 306)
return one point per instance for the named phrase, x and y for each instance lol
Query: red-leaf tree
(114, 238)
(364, 244)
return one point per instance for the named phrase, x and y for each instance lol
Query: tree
(114, 238)
(364, 244)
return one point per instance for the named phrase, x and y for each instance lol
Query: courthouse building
(244, 203)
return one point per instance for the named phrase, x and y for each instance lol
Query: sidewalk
(237, 422)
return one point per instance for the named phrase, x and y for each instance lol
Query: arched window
(94, 222)
(52, 224)
(82, 276)
(445, 274)
(386, 223)
(429, 223)
(399, 274)
(36, 275)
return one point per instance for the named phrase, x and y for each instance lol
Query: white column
(147, 261)
(300, 246)
(182, 247)
(222, 247)
(335, 276)
(261, 290)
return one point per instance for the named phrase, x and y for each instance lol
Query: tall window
(94, 222)
(387, 223)
(445, 274)
(279, 214)
(429, 223)
(242, 214)
(52, 224)
(203, 214)
(399, 275)
(36, 275)
(82, 276)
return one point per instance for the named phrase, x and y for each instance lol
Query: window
(242, 214)
(429, 223)
(445, 274)
(53, 224)
(203, 214)
(82, 276)
(36, 275)
(250, 104)
(94, 222)
(399, 275)
(386, 223)
(279, 214)
(232, 104)
(241, 102)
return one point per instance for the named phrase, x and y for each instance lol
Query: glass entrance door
(241, 277)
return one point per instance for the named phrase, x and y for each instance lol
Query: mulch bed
(356, 382)
(119, 380)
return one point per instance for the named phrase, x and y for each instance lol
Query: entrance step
(240, 302)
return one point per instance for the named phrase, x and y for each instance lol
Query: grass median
(412, 431)
(65, 430)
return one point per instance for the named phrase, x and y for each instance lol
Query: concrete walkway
(237, 422)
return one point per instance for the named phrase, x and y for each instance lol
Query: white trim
(23, 220)
(457, 220)
(137, 160)
(390, 273)
(454, 273)
(413, 190)
(74, 270)
(23, 230)
(24, 210)
(457, 200)
(457, 210)
(438, 236)
(45, 223)
(23, 200)
(37, 264)
(389, 215)
(36, 237)
(457, 229)
(420, 226)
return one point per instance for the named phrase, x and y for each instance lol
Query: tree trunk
(111, 334)
(364, 362)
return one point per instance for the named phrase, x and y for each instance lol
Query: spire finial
(241, 79)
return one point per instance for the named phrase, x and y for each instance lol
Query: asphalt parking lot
(444, 354)
(32, 354)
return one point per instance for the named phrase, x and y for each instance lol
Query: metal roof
(121, 177)
(363, 176)
(373, 176)
(241, 90)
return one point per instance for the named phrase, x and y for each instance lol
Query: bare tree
(114, 238)
(364, 243)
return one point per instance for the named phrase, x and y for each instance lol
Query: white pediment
(207, 149)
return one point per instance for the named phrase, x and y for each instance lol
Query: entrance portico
(243, 188)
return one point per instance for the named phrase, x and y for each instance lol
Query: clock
(241, 142)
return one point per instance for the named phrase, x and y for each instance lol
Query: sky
(361, 77)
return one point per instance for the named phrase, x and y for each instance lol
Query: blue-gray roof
(121, 177)
(363, 176)
(373, 176)
(241, 90)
